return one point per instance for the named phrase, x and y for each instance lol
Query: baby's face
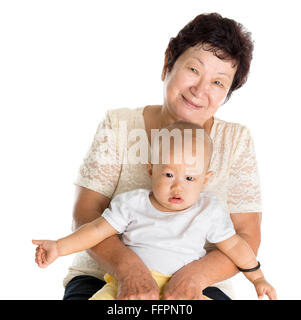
(176, 186)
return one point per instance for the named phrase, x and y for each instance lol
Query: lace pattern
(243, 187)
(236, 181)
(95, 175)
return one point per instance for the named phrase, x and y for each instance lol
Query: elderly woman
(204, 64)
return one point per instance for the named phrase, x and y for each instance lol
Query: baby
(167, 226)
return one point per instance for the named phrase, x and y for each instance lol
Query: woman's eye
(194, 70)
(168, 175)
(218, 83)
(190, 178)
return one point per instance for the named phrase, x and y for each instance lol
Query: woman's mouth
(175, 200)
(191, 104)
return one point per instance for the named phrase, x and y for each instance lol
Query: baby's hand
(46, 252)
(264, 288)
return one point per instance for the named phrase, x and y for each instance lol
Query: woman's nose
(201, 91)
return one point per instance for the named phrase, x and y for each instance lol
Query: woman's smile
(190, 104)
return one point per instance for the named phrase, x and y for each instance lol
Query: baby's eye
(168, 175)
(190, 178)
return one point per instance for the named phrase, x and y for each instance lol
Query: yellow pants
(109, 291)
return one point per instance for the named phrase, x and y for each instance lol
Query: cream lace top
(235, 182)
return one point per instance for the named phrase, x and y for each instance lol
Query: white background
(64, 63)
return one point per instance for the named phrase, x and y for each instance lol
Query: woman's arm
(135, 280)
(189, 282)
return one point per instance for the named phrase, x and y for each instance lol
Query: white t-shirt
(166, 241)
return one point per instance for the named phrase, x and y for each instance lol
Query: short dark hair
(225, 38)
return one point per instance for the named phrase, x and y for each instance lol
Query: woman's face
(197, 85)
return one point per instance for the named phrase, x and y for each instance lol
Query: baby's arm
(85, 237)
(238, 250)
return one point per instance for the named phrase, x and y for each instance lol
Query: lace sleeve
(95, 173)
(244, 188)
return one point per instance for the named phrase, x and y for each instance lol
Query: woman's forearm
(189, 282)
(213, 268)
(118, 260)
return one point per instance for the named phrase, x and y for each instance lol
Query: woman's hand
(185, 284)
(137, 286)
(134, 278)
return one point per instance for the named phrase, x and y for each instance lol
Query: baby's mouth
(175, 199)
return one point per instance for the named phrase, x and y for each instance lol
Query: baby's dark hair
(225, 38)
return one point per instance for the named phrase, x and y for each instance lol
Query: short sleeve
(221, 226)
(101, 167)
(244, 193)
(118, 214)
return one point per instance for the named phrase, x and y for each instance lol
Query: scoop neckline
(144, 127)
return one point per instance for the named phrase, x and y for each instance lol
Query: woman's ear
(164, 70)
(163, 74)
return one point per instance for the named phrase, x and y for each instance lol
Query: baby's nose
(177, 186)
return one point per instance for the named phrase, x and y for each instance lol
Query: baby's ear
(150, 169)
(207, 177)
